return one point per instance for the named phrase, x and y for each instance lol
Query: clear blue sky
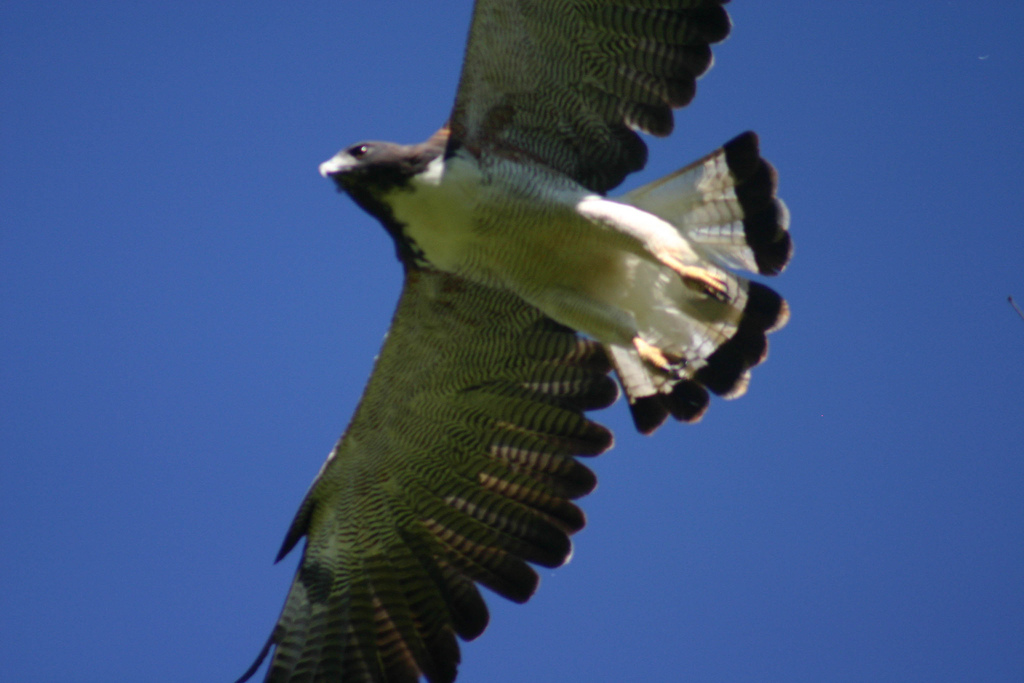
(189, 314)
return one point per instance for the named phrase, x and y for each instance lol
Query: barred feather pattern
(594, 72)
(458, 468)
(725, 205)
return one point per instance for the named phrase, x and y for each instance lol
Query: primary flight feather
(459, 467)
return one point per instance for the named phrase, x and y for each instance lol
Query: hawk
(525, 287)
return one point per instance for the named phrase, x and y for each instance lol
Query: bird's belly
(575, 266)
(575, 271)
(496, 234)
(439, 220)
(535, 249)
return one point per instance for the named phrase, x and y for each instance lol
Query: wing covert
(457, 468)
(569, 83)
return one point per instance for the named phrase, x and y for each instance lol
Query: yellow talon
(699, 279)
(652, 354)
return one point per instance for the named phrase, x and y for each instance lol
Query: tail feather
(725, 206)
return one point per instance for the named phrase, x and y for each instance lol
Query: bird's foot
(655, 356)
(699, 279)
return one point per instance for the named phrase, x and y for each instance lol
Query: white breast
(438, 210)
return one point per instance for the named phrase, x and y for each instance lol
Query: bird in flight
(526, 286)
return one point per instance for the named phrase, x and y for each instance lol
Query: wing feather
(459, 466)
(569, 83)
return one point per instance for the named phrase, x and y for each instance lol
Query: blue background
(189, 314)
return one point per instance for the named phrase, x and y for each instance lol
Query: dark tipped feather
(636, 61)
(686, 402)
(769, 239)
(648, 412)
(765, 218)
(458, 468)
(765, 311)
(743, 156)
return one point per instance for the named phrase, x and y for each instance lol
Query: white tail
(725, 206)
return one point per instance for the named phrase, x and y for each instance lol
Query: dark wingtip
(521, 582)
(654, 119)
(578, 481)
(715, 24)
(251, 671)
(473, 619)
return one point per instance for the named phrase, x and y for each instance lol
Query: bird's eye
(359, 151)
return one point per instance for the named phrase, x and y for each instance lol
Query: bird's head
(376, 167)
(370, 172)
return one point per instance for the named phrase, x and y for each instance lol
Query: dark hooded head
(370, 171)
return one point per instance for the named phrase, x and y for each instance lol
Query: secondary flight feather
(525, 287)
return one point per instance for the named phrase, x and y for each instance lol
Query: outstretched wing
(569, 82)
(458, 467)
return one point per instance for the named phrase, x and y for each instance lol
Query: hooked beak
(339, 163)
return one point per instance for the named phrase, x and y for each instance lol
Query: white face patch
(433, 174)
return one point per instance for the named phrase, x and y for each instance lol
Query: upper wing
(568, 82)
(457, 467)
